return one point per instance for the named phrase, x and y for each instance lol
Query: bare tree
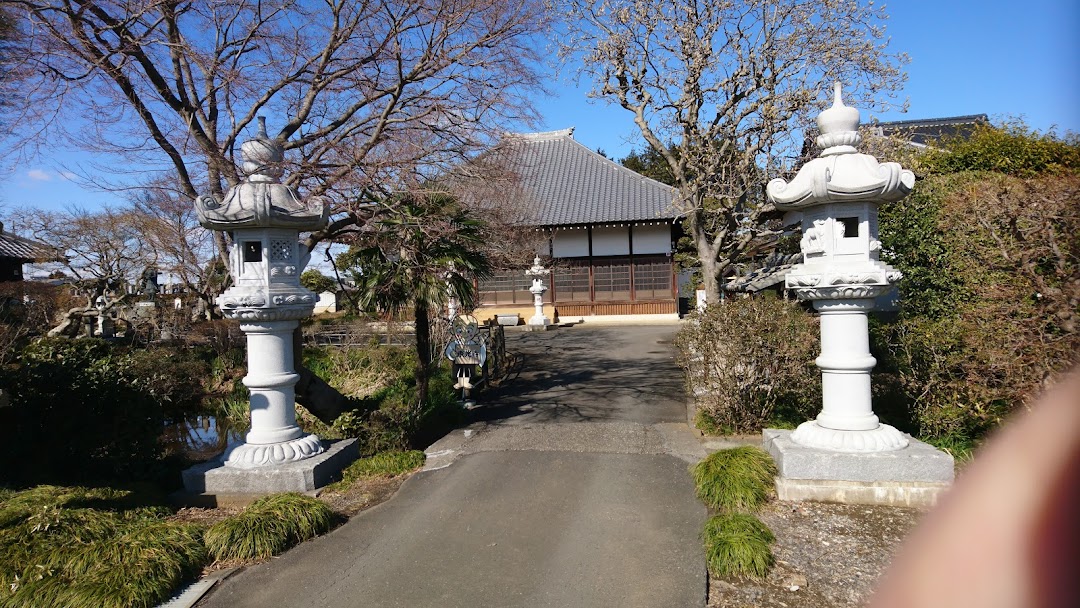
(367, 95)
(102, 253)
(720, 88)
(180, 247)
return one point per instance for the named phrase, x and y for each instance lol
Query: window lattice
(507, 287)
(280, 251)
(611, 279)
(572, 281)
(652, 278)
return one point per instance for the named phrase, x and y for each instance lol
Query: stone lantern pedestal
(538, 322)
(846, 454)
(265, 219)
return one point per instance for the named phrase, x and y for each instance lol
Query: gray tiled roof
(927, 130)
(16, 247)
(564, 183)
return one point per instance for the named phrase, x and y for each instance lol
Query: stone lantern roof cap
(261, 200)
(840, 173)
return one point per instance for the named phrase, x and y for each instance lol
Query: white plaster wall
(611, 241)
(570, 244)
(652, 239)
(327, 303)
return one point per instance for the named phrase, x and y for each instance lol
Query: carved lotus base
(251, 455)
(882, 439)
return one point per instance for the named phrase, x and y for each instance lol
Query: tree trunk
(710, 270)
(423, 352)
(312, 392)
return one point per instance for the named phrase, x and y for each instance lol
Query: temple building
(16, 251)
(609, 234)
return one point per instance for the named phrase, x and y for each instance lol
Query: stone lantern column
(537, 272)
(838, 194)
(265, 219)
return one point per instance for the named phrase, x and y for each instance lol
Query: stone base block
(538, 327)
(305, 476)
(913, 476)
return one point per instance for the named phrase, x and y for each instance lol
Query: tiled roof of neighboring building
(772, 271)
(925, 131)
(25, 250)
(564, 183)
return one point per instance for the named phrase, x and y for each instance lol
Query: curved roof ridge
(542, 135)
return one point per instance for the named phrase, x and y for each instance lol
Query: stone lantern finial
(838, 127)
(262, 156)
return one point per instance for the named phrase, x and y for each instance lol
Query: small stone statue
(149, 283)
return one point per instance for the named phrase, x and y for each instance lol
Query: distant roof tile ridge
(544, 135)
(945, 120)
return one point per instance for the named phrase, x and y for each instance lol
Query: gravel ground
(827, 556)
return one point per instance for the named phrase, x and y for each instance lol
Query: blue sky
(995, 57)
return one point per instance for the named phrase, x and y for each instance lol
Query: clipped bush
(735, 479)
(89, 547)
(268, 527)
(990, 297)
(737, 544)
(1012, 149)
(750, 363)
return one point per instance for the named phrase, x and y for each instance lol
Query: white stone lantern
(537, 272)
(265, 219)
(838, 195)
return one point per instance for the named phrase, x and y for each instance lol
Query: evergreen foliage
(990, 296)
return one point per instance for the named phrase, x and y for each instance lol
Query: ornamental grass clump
(383, 464)
(268, 527)
(737, 544)
(736, 479)
(83, 547)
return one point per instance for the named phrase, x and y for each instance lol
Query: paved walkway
(571, 489)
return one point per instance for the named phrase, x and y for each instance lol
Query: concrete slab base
(213, 479)
(538, 327)
(912, 477)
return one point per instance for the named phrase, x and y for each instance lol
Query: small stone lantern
(838, 195)
(265, 219)
(537, 272)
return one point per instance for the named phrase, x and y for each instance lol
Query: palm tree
(425, 250)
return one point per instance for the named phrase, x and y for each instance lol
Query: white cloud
(68, 175)
(38, 175)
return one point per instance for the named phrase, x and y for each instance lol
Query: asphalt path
(569, 489)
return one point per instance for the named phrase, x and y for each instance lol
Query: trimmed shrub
(990, 298)
(268, 527)
(737, 544)
(750, 363)
(736, 479)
